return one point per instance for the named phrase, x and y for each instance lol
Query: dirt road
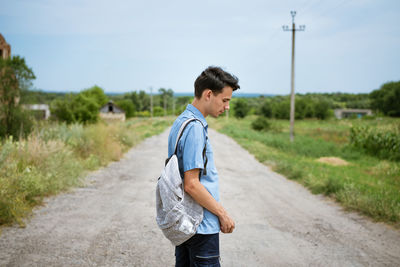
(111, 221)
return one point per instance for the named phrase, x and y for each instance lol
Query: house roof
(115, 108)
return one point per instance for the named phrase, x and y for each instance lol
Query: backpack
(178, 214)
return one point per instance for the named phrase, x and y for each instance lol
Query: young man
(213, 91)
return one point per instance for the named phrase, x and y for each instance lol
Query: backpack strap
(183, 126)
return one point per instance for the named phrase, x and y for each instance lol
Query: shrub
(144, 113)
(76, 108)
(21, 124)
(282, 110)
(261, 124)
(241, 108)
(158, 111)
(321, 109)
(266, 109)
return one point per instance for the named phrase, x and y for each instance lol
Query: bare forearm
(199, 193)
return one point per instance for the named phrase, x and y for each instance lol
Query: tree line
(384, 101)
(83, 107)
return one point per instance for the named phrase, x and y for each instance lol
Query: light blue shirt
(190, 156)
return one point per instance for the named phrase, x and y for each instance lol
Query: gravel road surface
(111, 220)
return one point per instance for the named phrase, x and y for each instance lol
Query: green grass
(368, 185)
(55, 157)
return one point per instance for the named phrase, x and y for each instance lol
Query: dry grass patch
(334, 161)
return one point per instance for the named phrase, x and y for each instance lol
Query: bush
(321, 109)
(76, 108)
(261, 124)
(282, 109)
(241, 108)
(144, 114)
(266, 109)
(21, 124)
(158, 111)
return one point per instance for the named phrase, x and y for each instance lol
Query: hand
(227, 224)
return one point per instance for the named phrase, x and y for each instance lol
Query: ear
(207, 94)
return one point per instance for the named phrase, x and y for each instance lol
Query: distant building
(347, 113)
(111, 112)
(41, 111)
(5, 48)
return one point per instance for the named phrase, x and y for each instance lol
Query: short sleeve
(191, 145)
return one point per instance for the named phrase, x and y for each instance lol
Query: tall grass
(367, 184)
(56, 157)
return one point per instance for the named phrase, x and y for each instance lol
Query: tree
(165, 96)
(127, 106)
(387, 99)
(321, 109)
(97, 94)
(15, 76)
(81, 108)
(62, 109)
(144, 99)
(300, 111)
(266, 109)
(85, 109)
(241, 108)
(281, 109)
(135, 100)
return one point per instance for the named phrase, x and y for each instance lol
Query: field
(56, 157)
(322, 160)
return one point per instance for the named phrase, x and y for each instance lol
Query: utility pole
(293, 30)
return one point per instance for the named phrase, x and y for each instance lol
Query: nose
(227, 106)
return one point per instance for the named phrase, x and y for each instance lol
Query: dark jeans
(199, 250)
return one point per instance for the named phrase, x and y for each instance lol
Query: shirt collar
(197, 114)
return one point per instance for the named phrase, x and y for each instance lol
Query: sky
(349, 46)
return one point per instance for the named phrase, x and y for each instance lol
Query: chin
(214, 115)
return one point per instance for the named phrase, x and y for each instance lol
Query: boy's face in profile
(220, 102)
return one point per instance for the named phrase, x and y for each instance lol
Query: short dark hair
(215, 79)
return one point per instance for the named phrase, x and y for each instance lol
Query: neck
(197, 103)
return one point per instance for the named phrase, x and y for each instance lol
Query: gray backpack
(178, 214)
